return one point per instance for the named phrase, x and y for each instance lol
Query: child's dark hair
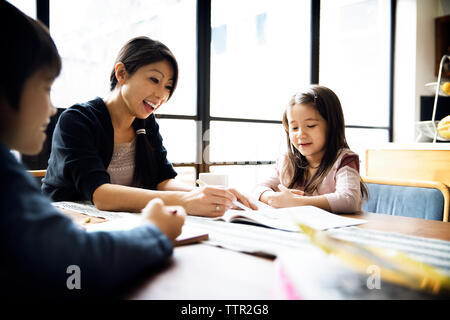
(26, 47)
(136, 53)
(328, 105)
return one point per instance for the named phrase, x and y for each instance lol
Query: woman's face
(24, 129)
(148, 88)
(307, 131)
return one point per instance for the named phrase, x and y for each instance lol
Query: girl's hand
(169, 219)
(285, 198)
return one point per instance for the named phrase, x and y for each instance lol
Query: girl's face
(25, 128)
(147, 89)
(307, 131)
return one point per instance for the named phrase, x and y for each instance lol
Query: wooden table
(204, 272)
(405, 225)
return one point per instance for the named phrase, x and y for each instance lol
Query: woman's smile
(149, 106)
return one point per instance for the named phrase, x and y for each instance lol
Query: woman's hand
(243, 199)
(169, 219)
(213, 201)
(285, 198)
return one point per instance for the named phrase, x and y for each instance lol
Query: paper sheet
(125, 221)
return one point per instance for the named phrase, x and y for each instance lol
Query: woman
(110, 151)
(38, 244)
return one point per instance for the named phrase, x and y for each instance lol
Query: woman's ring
(217, 208)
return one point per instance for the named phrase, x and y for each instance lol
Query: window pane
(179, 139)
(260, 56)
(239, 141)
(26, 6)
(89, 35)
(354, 57)
(244, 178)
(186, 175)
(359, 140)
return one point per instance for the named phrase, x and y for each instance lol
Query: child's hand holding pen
(169, 219)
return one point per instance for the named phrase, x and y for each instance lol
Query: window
(234, 142)
(259, 58)
(26, 6)
(179, 138)
(89, 35)
(355, 64)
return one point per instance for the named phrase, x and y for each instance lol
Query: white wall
(427, 11)
(414, 61)
(405, 71)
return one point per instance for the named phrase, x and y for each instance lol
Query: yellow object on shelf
(446, 88)
(443, 126)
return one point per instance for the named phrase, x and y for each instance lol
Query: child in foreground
(39, 246)
(318, 169)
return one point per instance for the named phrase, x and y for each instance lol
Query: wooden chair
(37, 173)
(429, 165)
(411, 198)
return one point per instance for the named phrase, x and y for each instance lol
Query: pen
(236, 203)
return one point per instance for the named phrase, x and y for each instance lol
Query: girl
(319, 169)
(110, 151)
(38, 243)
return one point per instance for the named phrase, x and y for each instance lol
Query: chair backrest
(38, 175)
(409, 198)
(429, 165)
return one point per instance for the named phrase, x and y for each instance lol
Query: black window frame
(203, 116)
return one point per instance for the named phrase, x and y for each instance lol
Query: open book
(287, 218)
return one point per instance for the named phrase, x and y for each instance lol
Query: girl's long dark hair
(296, 168)
(136, 53)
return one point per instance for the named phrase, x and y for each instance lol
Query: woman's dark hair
(26, 47)
(141, 51)
(328, 105)
(136, 53)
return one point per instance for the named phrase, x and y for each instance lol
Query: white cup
(214, 179)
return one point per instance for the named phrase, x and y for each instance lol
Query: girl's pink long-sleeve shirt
(341, 186)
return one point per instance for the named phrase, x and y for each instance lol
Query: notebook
(189, 234)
